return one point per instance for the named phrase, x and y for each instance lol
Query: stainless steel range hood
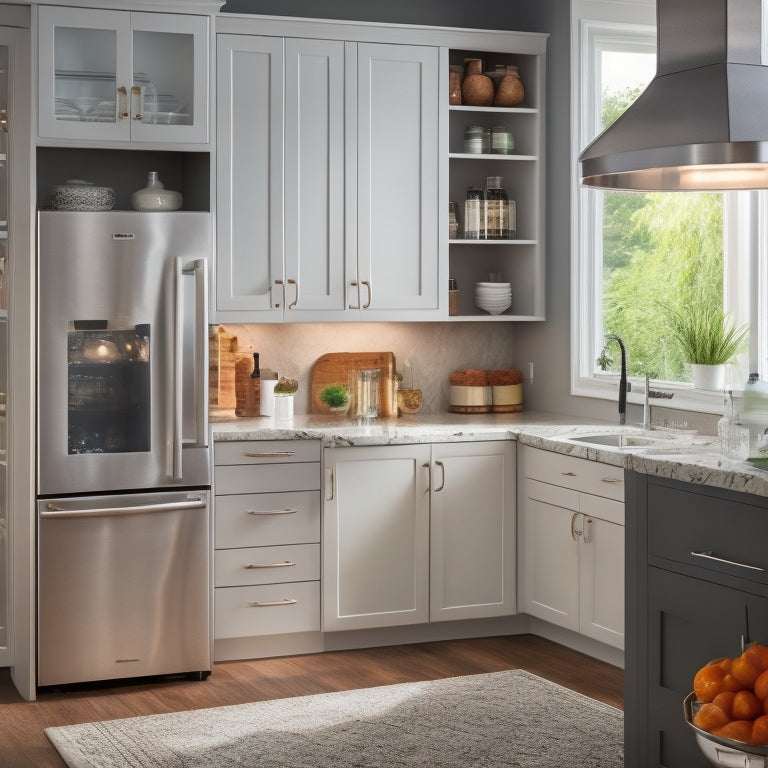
(702, 122)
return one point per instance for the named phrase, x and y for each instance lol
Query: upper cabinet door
(397, 177)
(170, 66)
(314, 178)
(120, 76)
(250, 280)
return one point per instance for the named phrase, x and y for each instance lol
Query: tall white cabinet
(327, 180)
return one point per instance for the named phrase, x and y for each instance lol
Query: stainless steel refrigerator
(123, 467)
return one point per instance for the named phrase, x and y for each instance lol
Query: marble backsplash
(425, 353)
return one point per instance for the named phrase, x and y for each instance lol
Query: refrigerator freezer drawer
(123, 587)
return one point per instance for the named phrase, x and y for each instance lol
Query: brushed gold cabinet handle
(574, 533)
(285, 564)
(295, 301)
(354, 284)
(611, 480)
(273, 603)
(568, 474)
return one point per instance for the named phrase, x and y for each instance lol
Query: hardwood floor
(24, 745)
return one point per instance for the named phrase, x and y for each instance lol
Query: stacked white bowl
(494, 298)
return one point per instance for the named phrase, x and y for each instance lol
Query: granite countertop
(679, 456)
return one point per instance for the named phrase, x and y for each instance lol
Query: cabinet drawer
(267, 478)
(265, 451)
(586, 503)
(266, 565)
(266, 519)
(274, 609)
(572, 472)
(712, 532)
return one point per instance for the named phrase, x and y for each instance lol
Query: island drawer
(573, 472)
(711, 530)
(265, 519)
(266, 565)
(273, 609)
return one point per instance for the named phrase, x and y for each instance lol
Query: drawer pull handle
(273, 603)
(568, 474)
(284, 564)
(273, 512)
(710, 555)
(270, 455)
(574, 533)
(611, 480)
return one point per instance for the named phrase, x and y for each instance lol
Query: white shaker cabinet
(118, 76)
(472, 550)
(376, 537)
(571, 530)
(418, 533)
(327, 180)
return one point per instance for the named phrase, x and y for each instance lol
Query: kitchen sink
(616, 440)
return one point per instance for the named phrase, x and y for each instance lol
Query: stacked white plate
(494, 298)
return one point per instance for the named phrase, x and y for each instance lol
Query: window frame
(745, 228)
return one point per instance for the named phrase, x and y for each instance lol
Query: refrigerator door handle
(198, 270)
(54, 510)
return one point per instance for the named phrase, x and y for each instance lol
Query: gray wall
(546, 344)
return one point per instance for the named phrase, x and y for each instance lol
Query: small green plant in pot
(336, 397)
(708, 340)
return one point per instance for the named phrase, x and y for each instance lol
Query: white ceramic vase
(283, 406)
(155, 197)
(710, 377)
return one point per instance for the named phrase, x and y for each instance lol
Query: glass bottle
(474, 214)
(496, 209)
(154, 197)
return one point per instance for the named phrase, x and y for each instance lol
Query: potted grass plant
(709, 341)
(337, 397)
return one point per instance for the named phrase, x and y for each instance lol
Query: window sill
(685, 398)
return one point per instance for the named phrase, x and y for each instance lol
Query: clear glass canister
(502, 140)
(368, 393)
(474, 214)
(477, 140)
(496, 209)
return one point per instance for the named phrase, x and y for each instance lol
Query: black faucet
(623, 378)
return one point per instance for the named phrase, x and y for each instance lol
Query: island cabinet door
(376, 537)
(690, 622)
(472, 535)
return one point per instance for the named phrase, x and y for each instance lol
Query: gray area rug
(507, 719)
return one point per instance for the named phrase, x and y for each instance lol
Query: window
(639, 255)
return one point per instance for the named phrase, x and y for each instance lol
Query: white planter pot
(283, 407)
(708, 376)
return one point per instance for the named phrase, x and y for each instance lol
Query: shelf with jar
(495, 168)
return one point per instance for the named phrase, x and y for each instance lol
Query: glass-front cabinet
(122, 76)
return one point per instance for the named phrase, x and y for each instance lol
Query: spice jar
(453, 221)
(453, 297)
(474, 214)
(496, 209)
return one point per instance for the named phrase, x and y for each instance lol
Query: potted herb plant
(337, 397)
(708, 340)
(285, 389)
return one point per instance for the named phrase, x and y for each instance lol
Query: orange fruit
(744, 670)
(758, 655)
(740, 730)
(708, 682)
(746, 706)
(760, 730)
(730, 683)
(761, 686)
(710, 717)
(724, 700)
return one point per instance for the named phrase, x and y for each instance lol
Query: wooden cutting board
(337, 367)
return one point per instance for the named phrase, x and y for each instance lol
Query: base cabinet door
(549, 554)
(472, 548)
(376, 537)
